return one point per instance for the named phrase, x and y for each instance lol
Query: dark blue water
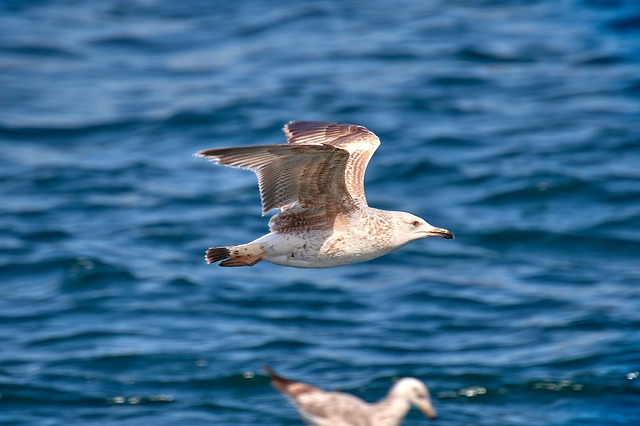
(516, 124)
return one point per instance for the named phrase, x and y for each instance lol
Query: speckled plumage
(316, 180)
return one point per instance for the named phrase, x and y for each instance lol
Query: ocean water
(515, 124)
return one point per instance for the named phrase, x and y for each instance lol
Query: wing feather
(310, 175)
(320, 407)
(358, 141)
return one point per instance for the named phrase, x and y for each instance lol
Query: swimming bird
(320, 408)
(316, 180)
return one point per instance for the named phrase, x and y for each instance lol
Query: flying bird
(320, 408)
(316, 180)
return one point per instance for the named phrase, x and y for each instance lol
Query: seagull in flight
(316, 179)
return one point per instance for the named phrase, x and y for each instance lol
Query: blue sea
(515, 124)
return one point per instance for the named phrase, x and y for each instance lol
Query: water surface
(512, 123)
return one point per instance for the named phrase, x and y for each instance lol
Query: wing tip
(205, 153)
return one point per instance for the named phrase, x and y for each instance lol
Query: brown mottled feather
(300, 220)
(360, 142)
(311, 176)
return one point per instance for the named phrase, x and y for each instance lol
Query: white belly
(317, 249)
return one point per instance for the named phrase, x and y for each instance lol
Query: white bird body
(359, 241)
(321, 408)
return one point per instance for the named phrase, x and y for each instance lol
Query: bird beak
(440, 232)
(425, 406)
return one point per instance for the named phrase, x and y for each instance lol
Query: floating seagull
(316, 180)
(320, 408)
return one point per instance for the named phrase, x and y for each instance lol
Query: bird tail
(243, 255)
(215, 254)
(277, 381)
(275, 376)
(288, 387)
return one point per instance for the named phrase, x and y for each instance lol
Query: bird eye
(419, 393)
(415, 223)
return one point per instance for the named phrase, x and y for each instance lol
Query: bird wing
(358, 141)
(310, 176)
(322, 408)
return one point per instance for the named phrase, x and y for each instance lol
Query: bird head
(413, 228)
(415, 392)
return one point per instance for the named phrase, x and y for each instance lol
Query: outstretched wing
(358, 141)
(310, 175)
